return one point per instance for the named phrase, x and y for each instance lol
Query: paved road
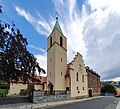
(100, 103)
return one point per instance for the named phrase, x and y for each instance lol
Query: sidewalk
(118, 106)
(43, 105)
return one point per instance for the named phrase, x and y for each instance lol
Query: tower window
(50, 59)
(61, 73)
(50, 41)
(83, 88)
(77, 76)
(50, 73)
(61, 59)
(82, 78)
(61, 41)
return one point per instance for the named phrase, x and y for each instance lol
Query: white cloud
(71, 24)
(42, 60)
(105, 4)
(39, 24)
(101, 34)
(37, 48)
(41, 57)
(93, 32)
(25, 14)
(116, 79)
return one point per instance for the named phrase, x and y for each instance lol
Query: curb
(51, 104)
(58, 103)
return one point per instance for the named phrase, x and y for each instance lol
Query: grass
(3, 92)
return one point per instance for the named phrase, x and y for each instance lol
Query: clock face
(58, 50)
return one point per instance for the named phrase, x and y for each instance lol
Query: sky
(92, 28)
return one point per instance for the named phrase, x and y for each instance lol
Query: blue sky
(91, 27)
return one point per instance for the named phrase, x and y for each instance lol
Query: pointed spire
(57, 26)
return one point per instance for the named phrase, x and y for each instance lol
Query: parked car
(117, 94)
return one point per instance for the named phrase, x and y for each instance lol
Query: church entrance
(50, 87)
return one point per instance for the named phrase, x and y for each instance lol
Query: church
(63, 76)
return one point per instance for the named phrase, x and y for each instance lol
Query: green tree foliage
(16, 62)
(108, 89)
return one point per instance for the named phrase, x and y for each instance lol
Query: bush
(4, 86)
(24, 92)
(3, 92)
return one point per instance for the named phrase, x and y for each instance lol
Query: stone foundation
(50, 98)
(80, 97)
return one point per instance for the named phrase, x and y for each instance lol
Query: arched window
(50, 41)
(61, 59)
(77, 76)
(82, 78)
(61, 73)
(61, 41)
(77, 88)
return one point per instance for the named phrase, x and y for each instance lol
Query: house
(93, 82)
(60, 75)
(103, 83)
(39, 84)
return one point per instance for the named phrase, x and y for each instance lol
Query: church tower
(56, 59)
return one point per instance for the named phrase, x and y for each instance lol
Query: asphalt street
(99, 103)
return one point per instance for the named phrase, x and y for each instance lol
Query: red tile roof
(37, 80)
(42, 79)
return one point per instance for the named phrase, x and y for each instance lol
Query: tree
(16, 62)
(108, 89)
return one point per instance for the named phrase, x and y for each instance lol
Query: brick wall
(93, 82)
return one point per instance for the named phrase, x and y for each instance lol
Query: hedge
(4, 86)
(3, 92)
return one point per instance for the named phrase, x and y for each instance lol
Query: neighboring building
(117, 87)
(16, 87)
(39, 84)
(60, 76)
(103, 83)
(93, 82)
(117, 83)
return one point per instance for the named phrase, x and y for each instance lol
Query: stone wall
(50, 98)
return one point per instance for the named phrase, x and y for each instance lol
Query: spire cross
(57, 14)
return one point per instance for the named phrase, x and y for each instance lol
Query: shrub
(24, 92)
(3, 92)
